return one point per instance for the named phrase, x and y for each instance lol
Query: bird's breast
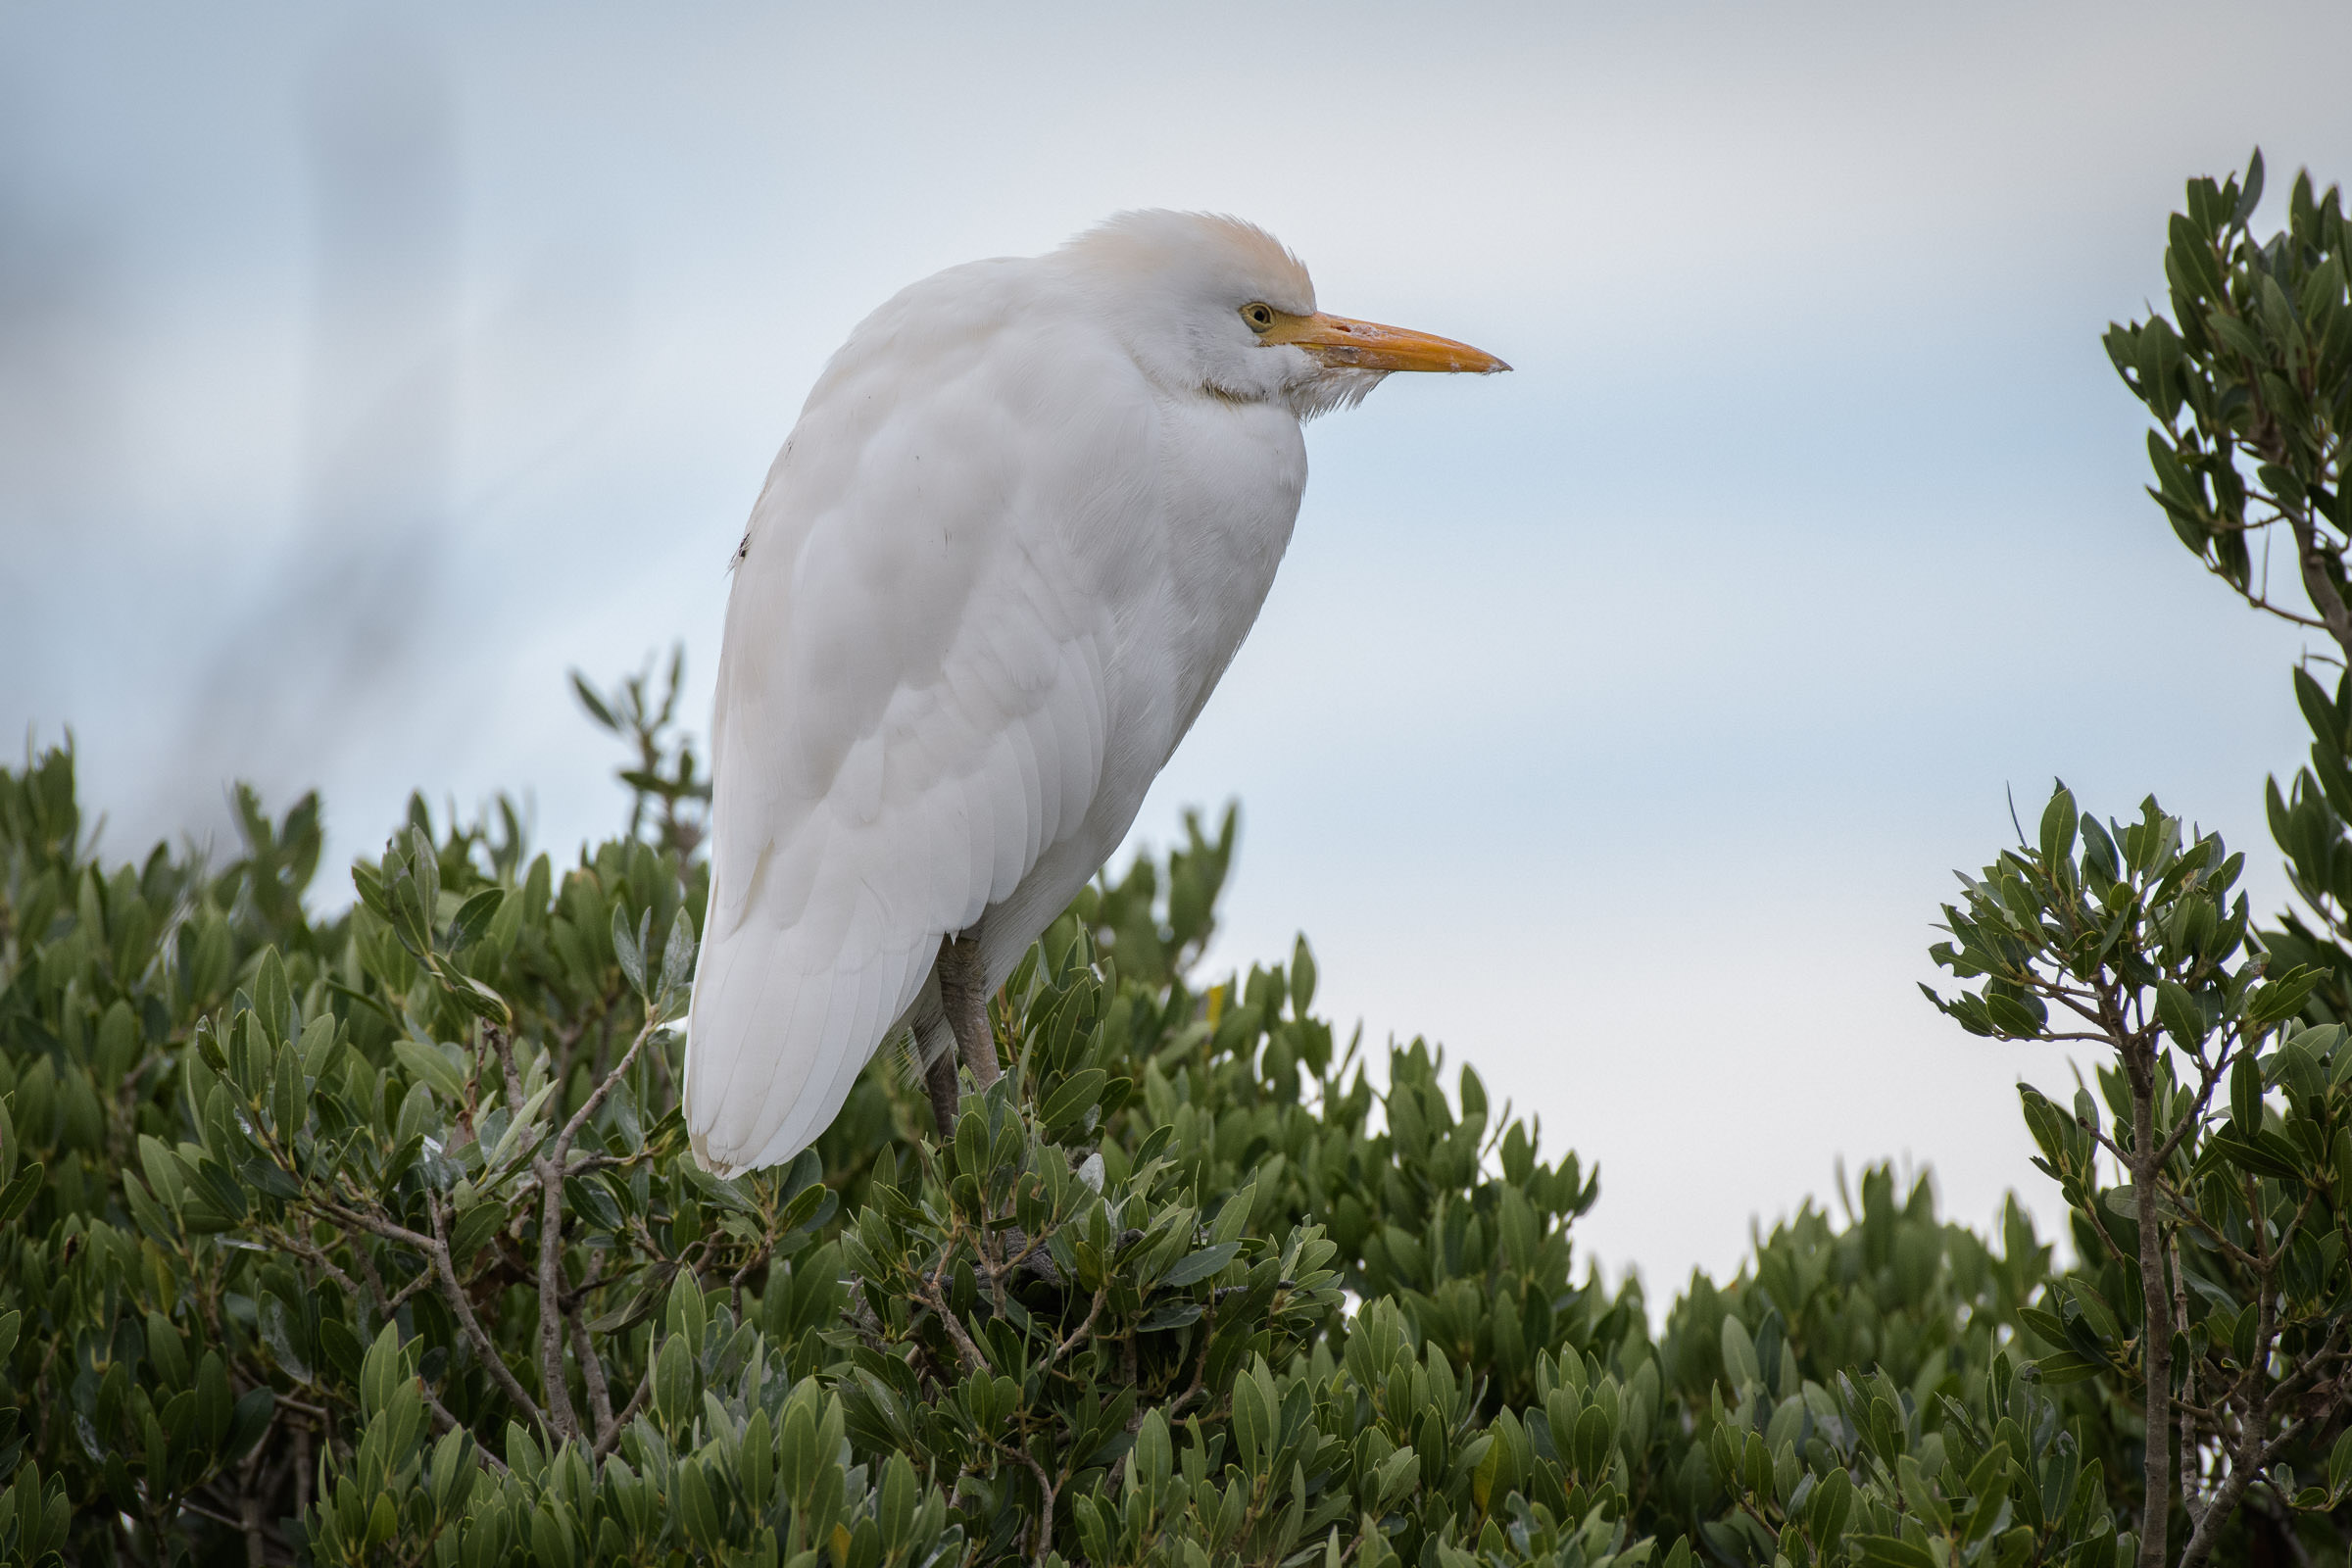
(1227, 479)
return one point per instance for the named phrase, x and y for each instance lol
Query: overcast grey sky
(1616, 722)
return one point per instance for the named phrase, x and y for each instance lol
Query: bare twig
(592, 1372)
(1081, 1330)
(2313, 557)
(503, 1043)
(2257, 1457)
(445, 1422)
(1209, 1334)
(628, 1412)
(554, 1385)
(549, 1170)
(2156, 1336)
(655, 1021)
(930, 1295)
(2191, 1476)
(421, 1282)
(454, 1292)
(1042, 1542)
(2208, 1076)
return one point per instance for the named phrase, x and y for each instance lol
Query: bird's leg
(939, 1080)
(963, 997)
(964, 993)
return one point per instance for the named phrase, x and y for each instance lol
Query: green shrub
(374, 1239)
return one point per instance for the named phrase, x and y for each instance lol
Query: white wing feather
(911, 698)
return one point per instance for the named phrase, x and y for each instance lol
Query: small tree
(2249, 383)
(2214, 1279)
(2126, 936)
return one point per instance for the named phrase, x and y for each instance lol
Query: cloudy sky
(1616, 722)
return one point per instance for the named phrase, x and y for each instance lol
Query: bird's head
(1215, 304)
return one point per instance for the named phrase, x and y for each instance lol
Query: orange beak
(1337, 340)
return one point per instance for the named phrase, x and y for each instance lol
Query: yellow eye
(1259, 316)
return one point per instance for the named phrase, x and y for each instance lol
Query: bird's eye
(1259, 316)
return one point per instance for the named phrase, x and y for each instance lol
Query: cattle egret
(1029, 512)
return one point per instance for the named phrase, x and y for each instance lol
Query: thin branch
(454, 1292)
(2220, 1243)
(213, 1514)
(654, 1022)
(2156, 1336)
(503, 1043)
(302, 1247)
(930, 1295)
(2208, 1076)
(592, 1372)
(1081, 1330)
(564, 1425)
(759, 1254)
(2257, 1458)
(446, 1422)
(2099, 1136)
(422, 1281)
(1043, 1542)
(2191, 1467)
(2259, 599)
(344, 1213)
(2286, 1232)
(1209, 1334)
(628, 1412)
(2314, 557)
(863, 1321)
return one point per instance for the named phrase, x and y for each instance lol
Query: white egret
(1029, 512)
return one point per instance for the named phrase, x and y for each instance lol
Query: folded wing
(910, 701)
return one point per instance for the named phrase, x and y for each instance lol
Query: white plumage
(1028, 514)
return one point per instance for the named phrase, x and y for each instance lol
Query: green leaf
(677, 954)
(1395, 1477)
(2246, 1094)
(1739, 1365)
(279, 1326)
(2058, 821)
(629, 949)
(800, 1209)
(272, 1002)
(673, 1380)
(1076, 1095)
(431, 1063)
(2251, 196)
(475, 1227)
(1891, 1551)
(757, 1467)
(270, 1178)
(18, 1196)
(1253, 1425)
(474, 918)
(288, 1107)
(595, 704)
(1199, 1265)
(250, 1419)
(2181, 1015)
(526, 1121)
(2276, 1001)
(2066, 1366)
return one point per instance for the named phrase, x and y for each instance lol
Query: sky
(1616, 724)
